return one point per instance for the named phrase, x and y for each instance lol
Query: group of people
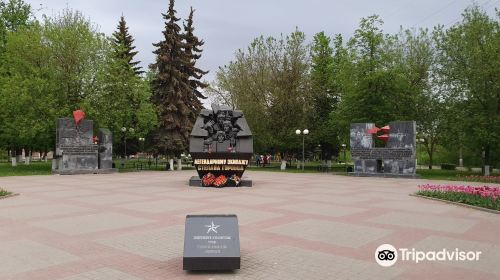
(263, 160)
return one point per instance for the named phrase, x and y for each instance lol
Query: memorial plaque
(211, 242)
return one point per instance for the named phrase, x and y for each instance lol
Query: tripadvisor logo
(386, 255)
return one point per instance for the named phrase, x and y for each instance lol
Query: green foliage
(370, 79)
(193, 53)
(270, 83)
(325, 93)
(122, 46)
(469, 67)
(470, 199)
(27, 95)
(174, 96)
(14, 14)
(122, 98)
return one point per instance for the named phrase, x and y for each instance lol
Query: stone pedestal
(195, 181)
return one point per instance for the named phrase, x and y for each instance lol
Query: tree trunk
(13, 158)
(461, 159)
(19, 155)
(430, 152)
(27, 157)
(486, 161)
(179, 163)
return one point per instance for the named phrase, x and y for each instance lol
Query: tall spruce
(123, 48)
(172, 94)
(193, 53)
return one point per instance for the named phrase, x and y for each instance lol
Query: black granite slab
(211, 243)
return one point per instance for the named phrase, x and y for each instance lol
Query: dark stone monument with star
(211, 243)
(221, 146)
(77, 151)
(396, 159)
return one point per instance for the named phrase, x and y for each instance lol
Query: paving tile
(246, 199)
(161, 245)
(25, 255)
(102, 274)
(19, 200)
(429, 222)
(43, 210)
(161, 206)
(334, 233)
(415, 206)
(72, 193)
(91, 223)
(488, 259)
(245, 216)
(109, 199)
(285, 262)
(324, 209)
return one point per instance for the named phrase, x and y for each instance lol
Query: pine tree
(193, 52)
(123, 48)
(172, 93)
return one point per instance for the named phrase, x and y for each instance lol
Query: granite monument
(396, 159)
(221, 146)
(77, 151)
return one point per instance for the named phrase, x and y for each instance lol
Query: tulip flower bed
(482, 196)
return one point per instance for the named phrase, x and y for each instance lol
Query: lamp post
(345, 159)
(343, 148)
(124, 130)
(141, 144)
(304, 133)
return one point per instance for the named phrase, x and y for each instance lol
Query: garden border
(457, 203)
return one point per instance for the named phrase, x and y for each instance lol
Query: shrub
(448, 166)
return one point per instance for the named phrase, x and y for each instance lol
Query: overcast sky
(228, 25)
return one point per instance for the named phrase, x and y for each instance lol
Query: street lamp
(304, 133)
(124, 130)
(141, 141)
(343, 148)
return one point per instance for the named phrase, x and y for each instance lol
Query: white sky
(229, 25)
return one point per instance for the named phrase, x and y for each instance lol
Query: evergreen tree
(122, 45)
(172, 93)
(193, 53)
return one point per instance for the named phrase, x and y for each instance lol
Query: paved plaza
(292, 226)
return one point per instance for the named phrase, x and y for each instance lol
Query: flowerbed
(479, 178)
(4, 192)
(482, 196)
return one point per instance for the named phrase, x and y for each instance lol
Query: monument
(211, 242)
(77, 151)
(396, 159)
(221, 147)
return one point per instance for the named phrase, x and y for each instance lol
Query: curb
(10, 195)
(458, 203)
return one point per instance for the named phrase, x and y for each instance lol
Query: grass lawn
(35, 168)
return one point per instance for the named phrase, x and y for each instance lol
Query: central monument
(221, 147)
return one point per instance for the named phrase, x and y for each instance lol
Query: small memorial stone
(211, 243)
